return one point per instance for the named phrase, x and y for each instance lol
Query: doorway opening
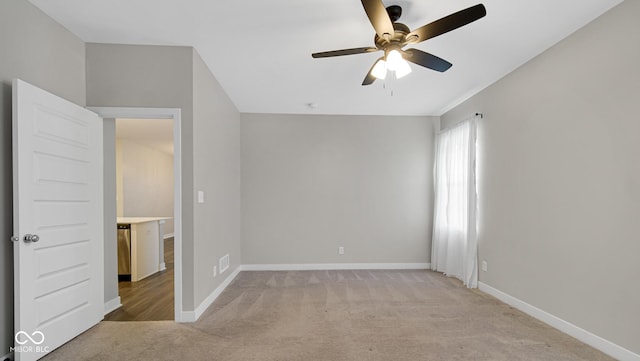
(145, 228)
(168, 243)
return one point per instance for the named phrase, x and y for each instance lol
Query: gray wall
(176, 77)
(110, 232)
(559, 178)
(151, 76)
(216, 141)
(145, 187)
(41, 52)
(311, 184)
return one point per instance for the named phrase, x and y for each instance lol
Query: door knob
(31, 238)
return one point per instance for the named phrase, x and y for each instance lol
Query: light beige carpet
(337, 315)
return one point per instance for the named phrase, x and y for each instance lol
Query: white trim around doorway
(163, 113)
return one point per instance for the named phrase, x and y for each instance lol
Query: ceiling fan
(392, 36)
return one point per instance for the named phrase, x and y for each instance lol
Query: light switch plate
(200, 197)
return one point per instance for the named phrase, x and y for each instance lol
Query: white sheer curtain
(455, 246)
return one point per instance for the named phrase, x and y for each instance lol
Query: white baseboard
(585, 336)
(162, 266)
(8, 356)
(168, 235)
(192, 316)
(333, 266)
(112, 305)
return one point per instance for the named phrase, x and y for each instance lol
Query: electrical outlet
(215, 271)
(485, 265)
(340, 250)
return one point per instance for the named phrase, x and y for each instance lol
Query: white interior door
(57, 198)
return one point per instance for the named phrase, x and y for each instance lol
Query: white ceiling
(153, 133)
(260, 51)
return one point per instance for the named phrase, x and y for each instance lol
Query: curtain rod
(481, 115)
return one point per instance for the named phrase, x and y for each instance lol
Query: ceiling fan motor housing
(399, 37)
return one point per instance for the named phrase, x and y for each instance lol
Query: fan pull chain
(384, 86)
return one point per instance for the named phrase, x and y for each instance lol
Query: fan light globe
(402, 69)
(394, 59)
(380, 70)
(397, 64)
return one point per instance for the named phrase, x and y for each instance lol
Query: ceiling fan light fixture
(394, 60)
(397, 64)
(380, 69)
(402, 69)
(391, 36)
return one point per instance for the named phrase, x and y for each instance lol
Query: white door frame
(163, 113)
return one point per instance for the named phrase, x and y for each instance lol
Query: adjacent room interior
(144, 210)
(312, 212)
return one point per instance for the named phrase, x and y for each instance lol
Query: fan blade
(446, 24)
(369, 79)
(427, 60)
(379, 17)
(327, 54)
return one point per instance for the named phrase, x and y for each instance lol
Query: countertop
(136, 220)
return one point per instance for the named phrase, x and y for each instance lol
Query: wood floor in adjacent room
(337, 315)
(150, 299)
